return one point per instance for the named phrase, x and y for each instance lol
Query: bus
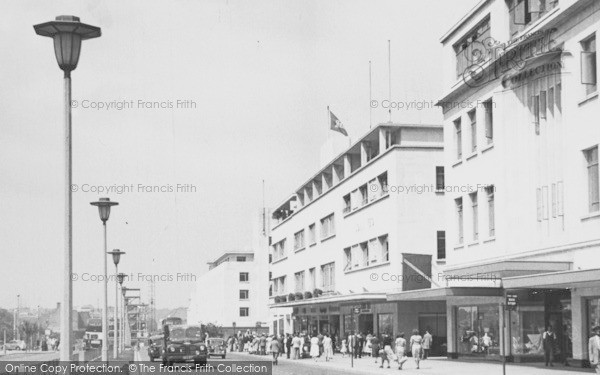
(93, 334)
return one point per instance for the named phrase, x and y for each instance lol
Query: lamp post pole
(68, 33)
(116, 255)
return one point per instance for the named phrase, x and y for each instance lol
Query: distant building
(232, 294)
(369, 222)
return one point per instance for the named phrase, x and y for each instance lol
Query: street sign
(511, 301)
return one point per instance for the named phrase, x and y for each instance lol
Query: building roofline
(463, 20)
(225, 254)
(354, 144)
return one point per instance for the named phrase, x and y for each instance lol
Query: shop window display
(478, 330)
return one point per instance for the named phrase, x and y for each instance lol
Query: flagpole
(370, 97)
(390, 78)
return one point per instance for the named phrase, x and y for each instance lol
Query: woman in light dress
(416, 346)
(344, 348)
(367, 346)
(327, 347)
(401, 350)
(314, 347)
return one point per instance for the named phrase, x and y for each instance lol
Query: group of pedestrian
(388, 350)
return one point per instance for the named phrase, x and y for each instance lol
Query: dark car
(184, 343)
(216, 347)
(155, 347)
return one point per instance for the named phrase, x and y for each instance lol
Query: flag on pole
(336, 124)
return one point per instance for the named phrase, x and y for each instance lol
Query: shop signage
(511, 301)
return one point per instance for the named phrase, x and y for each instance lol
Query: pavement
(432, 366)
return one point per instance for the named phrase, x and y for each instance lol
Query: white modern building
(233, 294)
(369, 222)
(521, 134)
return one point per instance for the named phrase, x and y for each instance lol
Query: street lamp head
(116, 255)
(121, 277)
(67, 33)
(104, 205)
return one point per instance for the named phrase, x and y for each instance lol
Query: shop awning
(441, 294)
(564, 279)
(336, 298)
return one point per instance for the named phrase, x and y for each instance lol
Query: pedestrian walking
(358, 345)
(549, 342)
(288, 344)
(314, 347)
(296, 344)
(427, 342)
(386, 342)
(327, 347)
(594, 349)
(401, 350)
(375, 348)
(274, 348)
(416, 346)
(262, 342)
(384, 357)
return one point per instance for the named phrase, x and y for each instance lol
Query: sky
(180, 111)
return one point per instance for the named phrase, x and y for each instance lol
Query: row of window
(368, 253)
(474, 203)
(366, 193)
(327, 281)
(327, 230)
(488, 126)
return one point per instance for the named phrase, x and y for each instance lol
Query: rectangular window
(299, 240)
(459, 216)
(244, 277)
(536, 113)
(244, 311)
(473, 119)
(374, 190)
(441, 244)
(543, 104)
(475, 216)
(312, 279)
(348, 259)
(559, 198)
(489, 121)
(591, 156)
(364, 249)
(538, 197)
(491, 211)
(469, 49)
(364, 197)
(374, 249)
(240, 259)
(385, 250)
(279, 250)
(458, 137)
(299, 277)
(328, 277)
(327, 227)
(553, 191)
(439, 179)
(588, 64)
(551, 101)
(558, 97)
(312, 235)
(545, 202)
(244, 294)
(347, 204)
(383, 183)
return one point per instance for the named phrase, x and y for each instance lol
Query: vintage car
(216, 347)
(15, 345)
(155, 347)
(184, 343)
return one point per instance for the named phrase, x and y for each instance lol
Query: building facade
(233, 293)
(521, 160)
(367, 223)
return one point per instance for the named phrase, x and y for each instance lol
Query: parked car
(155, 347)
(184, 343)
(16, 345)
(216, 347)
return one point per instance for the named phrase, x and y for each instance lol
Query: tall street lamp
(67, 33)
(120, 278)
(104, 205)
(116, 255)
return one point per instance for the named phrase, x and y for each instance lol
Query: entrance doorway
(436, 325)
(365, 323)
